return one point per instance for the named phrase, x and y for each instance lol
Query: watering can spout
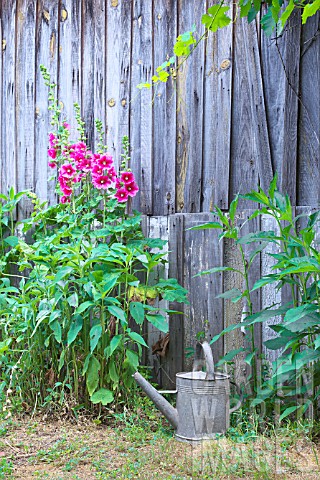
(160, 402)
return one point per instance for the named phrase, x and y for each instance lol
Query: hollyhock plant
(132, 188)
(67, 170)
(121, 195)
(127, 177)
(102, 182)
(105, 161)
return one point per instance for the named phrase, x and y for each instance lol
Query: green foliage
(295, 376)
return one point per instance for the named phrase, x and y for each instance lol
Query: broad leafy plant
(73, 323)
(296, 373)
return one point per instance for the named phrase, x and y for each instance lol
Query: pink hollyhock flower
(122, 195)
(66, 190)
(67, 170)
(112, 174)
(66, 125)
(52, 164)
(118, 184)
(127, 177)
(85, 165)
(105, 161)
(52, 140)
(65, 199)
(52, 153)
(95, 157)
(132, 189)
(97, 170)
(101, 182)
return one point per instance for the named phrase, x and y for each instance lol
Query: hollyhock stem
(104, 210)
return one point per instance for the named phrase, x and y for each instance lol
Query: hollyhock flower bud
(52, 140)
(101, 182)
(52, 153)
(121, 195)
(132, 189)
(52, 164)
(67, 170)
(66, 125)
(65, 199)
(127, 177)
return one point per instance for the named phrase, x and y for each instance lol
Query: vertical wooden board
(141, 111)
(190, 114)
(309, 115)
(8, 128)
(25, 95)
(217, 118)
(1, 94)
(243, 168)
(119, 15)
(99, 63)
(174, 361)
(292, 64)
(274, 89)
(87, 68)
(164, 109)
(70, 66)
(204, 315)
(257, 103)
(46, 54)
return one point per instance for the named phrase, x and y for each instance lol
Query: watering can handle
(207, 352)
(240, 399)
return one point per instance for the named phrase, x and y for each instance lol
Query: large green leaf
(93, 374)
(62, 273)
(159, 322)
(56, 328)
(103, 396)
(206, 226)
(137, 338)
(299, 312)
(112, 347)
(137, 312)
(216, 17)
(75, 328)
(84, 306)
(118, 313)
(95, 335)
(132, 358)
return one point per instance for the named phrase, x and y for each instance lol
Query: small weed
(6, 468)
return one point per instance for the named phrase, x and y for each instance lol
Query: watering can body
(203, 406)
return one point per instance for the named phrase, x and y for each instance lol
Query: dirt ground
(33, 448)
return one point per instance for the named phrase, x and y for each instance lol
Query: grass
(141, 445)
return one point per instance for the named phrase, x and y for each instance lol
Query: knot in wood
(225, 64)
(46, 15)
(111, 102)
(4, 44)
(64, 15)
(114, 3)
(123, 102)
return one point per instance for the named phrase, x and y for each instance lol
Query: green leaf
(12, 241)
(61, 360)
(93, 374)
(278, 342)
(137, 338)
(249, 357)
(159, 322)
(230, 294)
(114, 343)
(56, 328)
(103, 396)
(137, 312)
(310, 320)
(133, 358)
(299, 312)
(83, 306)
(269, 236)
(216, 18)
(95, 335)
(302, 409)
(62, 273)
(265, 281)
(310, 9)
(118, 313)
(317, 342)
(75, 328)
(206, 226)
(230, 356)
(215, 270)
(273, 186)
(286, 14)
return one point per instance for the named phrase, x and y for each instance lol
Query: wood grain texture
(25, 100)
(309, 116)
(8, 148)
(244, 171)
(164, 109)
(190, 114)
(1, 95)
(69, 60)
(88, 53)
(99, 75)
(118, 67)
(46, 54)
(141, 111)
(292, 66)
(217, 119)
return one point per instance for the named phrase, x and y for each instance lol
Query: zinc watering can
(203, 406)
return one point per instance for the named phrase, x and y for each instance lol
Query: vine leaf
(216, 18)
(309, 10)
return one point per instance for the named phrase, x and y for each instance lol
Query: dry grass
(59, 450)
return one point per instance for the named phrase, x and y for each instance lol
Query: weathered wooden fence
(241, 108)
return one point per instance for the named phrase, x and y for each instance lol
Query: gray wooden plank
(217, 118)
(164, 109)
(87, 69)
(243, 169)
(292, 64)
(174, 361)
(2, 46)
(202, 251)
(46, 54)
(25, 96)
(309, 116)
(141, 112)
(118, 73)
(8, 149)
(190, 114)
(257, 103)
(69, 61)
(99, 63)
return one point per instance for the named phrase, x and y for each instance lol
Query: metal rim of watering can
(205, 349)
(239, 403)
